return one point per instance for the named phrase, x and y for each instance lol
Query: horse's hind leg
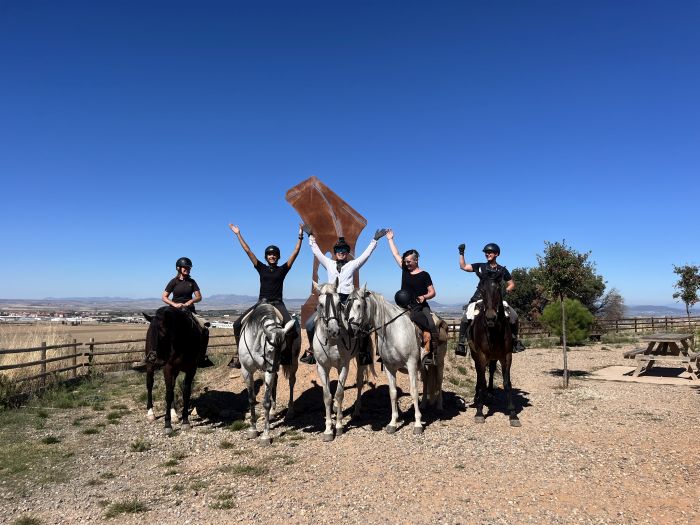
(270, 387)
(360, 382)
(480, 389)
(391, 379)
(507, 386)
(170, 377)
(327, 401)
(250, 387)
(149, 392)
(339, 396)
(186, 393)
(413, 380)
(292, 371)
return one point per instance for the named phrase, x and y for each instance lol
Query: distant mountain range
(240, 302)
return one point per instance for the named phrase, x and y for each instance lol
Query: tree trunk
(563, 335)
(687, 312)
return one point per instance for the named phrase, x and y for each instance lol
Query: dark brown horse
(178, 341)
(492, 341)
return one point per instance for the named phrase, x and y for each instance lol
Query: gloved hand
(306, 229)
(461, 248)
(379, 234)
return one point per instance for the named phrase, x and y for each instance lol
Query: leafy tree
(563, 272)
(527, 298)
(611, 306)
(687, 285)
(578, 320)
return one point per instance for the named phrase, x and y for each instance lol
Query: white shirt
(345, 284)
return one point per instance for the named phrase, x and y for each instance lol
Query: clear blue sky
(132, 133)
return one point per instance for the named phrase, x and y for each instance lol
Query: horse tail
(434, 374)
(286, 370)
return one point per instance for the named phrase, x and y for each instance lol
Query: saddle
(244, 320)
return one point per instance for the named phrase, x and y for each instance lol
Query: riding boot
(518, 345)
(308, 357)
(365, 353)
(204, 361)
(462, 341)
(427, 356)
(235, 362)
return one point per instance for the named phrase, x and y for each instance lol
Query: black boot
(308, 357)
(518, 345)
(462, 341)
(235, 362)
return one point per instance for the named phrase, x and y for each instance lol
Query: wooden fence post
(635, 325)
(91, 354)
(42, 380)
(74, 374)
(666, 319)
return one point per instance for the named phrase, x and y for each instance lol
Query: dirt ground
(597, 452)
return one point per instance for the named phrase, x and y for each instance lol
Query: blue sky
(134, 132)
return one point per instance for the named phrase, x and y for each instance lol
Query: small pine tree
(578, 320)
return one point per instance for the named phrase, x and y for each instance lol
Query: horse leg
(270, 385)
(250, 386)
(480, 365)
(186, 393)
(507, 386)
(149, 391)
(413, 381)
(292, 371)
(360, 382)
(339, 396)
(492, 370)
(323, 375)
(169, 377)
(391, 379)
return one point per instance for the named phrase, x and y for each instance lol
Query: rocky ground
(597, 452)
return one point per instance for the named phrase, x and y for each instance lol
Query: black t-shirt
(271, 281)
(500, 274)
(417, 284)
(182, 290)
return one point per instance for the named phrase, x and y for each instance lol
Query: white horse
(262, 338)
(334, 347)
(399, 344)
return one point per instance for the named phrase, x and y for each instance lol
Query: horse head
(492, 300)
(329, 311)
(356, 314)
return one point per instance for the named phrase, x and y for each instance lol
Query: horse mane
(261, 311)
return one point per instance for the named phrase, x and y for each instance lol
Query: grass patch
(91, 431)
(237, 425)
(79, 420)
(170, 463)
(225, 502)
(120, 406)
(125, 507)
(27, 520)
(140, 445)
(198, 485)
(50, 440)
(94, 482)
(171, 472)
(41, 413)
(245, 470)
(178, 455)
(226, 445)
(459, 466)
(112, 416)
(108, 475)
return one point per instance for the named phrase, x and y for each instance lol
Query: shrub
(578, 320)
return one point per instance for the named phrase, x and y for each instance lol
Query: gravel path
(598, 452)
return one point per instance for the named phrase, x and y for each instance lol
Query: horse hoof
(168, 431)
(515, 422)
(339, 431)
(417, 431)
(327, 438)
(185, 426)
(252, 433)
(265, 441)
(479, 419)
(390, 429)
(150, 418)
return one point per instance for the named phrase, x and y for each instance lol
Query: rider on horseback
(419, 285)
(271, 285)
(186, 293)
(342, 269)
(490, 270)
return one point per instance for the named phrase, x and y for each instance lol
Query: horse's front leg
(480, 391)
(186, 393)
(339, 395)
(268, 400)
(323, 375)
(413, 381)
(493, 365)
(247, 377)
(169, 378)
(292, 381)
(149, 392)
(360, 381)
(508, 387)
(391, 379)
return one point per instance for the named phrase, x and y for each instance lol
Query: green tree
(687, 285)
(527, 298)
(563, 272)
(578, 320)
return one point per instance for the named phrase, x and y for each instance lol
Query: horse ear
(149, 318)
(316, 287)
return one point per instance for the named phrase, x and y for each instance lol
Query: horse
(334, 347)
(177, 340)
(399, 344)
(260, 348)
(492, 341)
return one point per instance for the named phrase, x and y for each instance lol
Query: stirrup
(427, 358)
(234, 362)
(518, 346)
(461, 349)
(308, 358)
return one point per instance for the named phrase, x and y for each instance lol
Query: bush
(578, 320)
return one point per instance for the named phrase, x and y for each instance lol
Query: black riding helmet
(492, 247)
(183, 262)
(272, 250)
(341, 246)
(403, 298)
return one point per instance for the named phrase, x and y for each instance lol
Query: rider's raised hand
(461, 248)
(389, 233)
(380, 233)
(235, 229)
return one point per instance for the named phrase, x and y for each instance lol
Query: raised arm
(394, 249)
(320, 256)
(293, 257)
(462, 263)
(237, 232)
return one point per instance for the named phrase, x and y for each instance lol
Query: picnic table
(666, 347)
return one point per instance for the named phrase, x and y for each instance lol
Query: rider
(493, 271)
(186, 293)
(271, 284)
(419, 285)
(341, 269)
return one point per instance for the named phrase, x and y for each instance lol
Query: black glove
(379, 234)
(461, 248)
(306, 229)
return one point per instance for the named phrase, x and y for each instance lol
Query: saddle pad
(473, 309)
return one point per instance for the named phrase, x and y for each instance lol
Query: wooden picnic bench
(667, 347)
